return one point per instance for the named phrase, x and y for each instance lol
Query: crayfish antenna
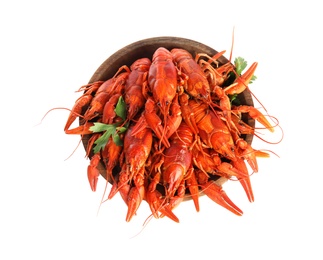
(50, 110)
(74, 150)
(79, 130)
(232, 44)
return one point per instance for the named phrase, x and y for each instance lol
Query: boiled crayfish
(166, 128)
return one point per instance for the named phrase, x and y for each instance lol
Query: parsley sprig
(111, 130)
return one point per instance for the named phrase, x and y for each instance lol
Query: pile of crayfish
(166, 128)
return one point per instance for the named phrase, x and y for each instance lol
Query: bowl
(145, 48)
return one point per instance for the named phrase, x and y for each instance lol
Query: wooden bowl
(145, 48)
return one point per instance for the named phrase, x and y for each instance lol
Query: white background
(50, 48)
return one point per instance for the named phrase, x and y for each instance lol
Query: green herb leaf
(101, 142)
(121, 108)
(121, 129)
(112, 130)
(99, 127)
(252, 79)
(233, 97)
(116, 139)
(240, 64)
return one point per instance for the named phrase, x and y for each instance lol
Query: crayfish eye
(158, 103)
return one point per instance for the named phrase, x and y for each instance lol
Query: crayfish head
(164, 106)
(173, 176)
(142, 64)
(221, 142)
(227, 151)
(164, 93)
(225, 146)
(134, 101)
(198, 87)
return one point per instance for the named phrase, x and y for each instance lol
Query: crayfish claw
(192, 184)
(80, 130)
(242, 81)
(215, 193)
(257, 115)
(245, 181)
(135, 198)
(93, 172)
(157, 204)
(76, 111)
(246, 184)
